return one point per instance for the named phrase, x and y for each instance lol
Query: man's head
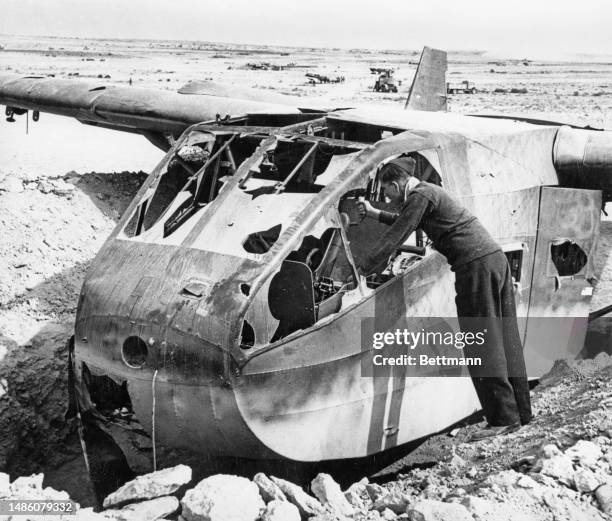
(394, 177)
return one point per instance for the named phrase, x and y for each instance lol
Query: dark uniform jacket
(452, 229)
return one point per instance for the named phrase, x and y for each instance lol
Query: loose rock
(45, 187)
(585, 481)
(604, 498)
(584, 453)
(149, 486)
(268, 489)
(222, 498)
(307, 505)
(558, 467)
(526, 482)
(375, 491)
(280, 511)
(62, 188)
(395, 501)
(330, 495)
(388, 514)
(355, 494)
(550, 451)
(150, 510)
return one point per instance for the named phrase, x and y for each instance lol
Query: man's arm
(402, 225)
(387, 217)
(378, 215)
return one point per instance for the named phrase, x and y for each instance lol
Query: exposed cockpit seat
(291, 298)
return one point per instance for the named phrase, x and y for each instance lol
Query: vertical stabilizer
(428, 89)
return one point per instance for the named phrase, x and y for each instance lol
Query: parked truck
(463, 87)
(386, 81)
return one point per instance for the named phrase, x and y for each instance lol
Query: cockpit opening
(311, 284)
(363, 234)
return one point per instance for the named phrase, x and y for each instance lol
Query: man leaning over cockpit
(483, 285)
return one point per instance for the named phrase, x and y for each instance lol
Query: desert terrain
(63, 185)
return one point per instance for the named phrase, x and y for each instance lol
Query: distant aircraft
(222, 317)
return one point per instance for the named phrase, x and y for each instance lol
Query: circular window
(134, 352)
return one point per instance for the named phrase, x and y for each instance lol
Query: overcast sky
(528, 28)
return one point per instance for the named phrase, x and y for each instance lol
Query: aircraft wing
(153, 113)
(550, 118)
(428, 89)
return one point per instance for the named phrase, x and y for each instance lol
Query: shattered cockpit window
(194, 172)
(190, 177)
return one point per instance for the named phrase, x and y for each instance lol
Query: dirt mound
(52, 228)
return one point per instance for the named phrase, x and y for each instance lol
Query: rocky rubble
(148, 486)
(548, 471)
(555, 469)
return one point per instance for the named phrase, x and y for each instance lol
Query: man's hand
(365, 209)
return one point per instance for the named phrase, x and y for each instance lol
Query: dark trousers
(484, 289)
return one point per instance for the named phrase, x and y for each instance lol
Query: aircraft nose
(126, 349)
(147, 307)
(171, 382)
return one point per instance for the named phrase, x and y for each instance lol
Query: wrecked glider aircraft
(223, 314)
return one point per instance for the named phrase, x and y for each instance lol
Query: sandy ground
(63, 185)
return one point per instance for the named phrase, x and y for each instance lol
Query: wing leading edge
(129, 109)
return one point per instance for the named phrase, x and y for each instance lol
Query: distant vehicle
(264, 66)
(385, 81)
(313, 79)
(464, 87)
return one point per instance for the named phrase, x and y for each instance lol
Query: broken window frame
(150, 188)
(194, 203)
(225, 136)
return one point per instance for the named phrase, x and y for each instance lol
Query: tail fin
(428, 89)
